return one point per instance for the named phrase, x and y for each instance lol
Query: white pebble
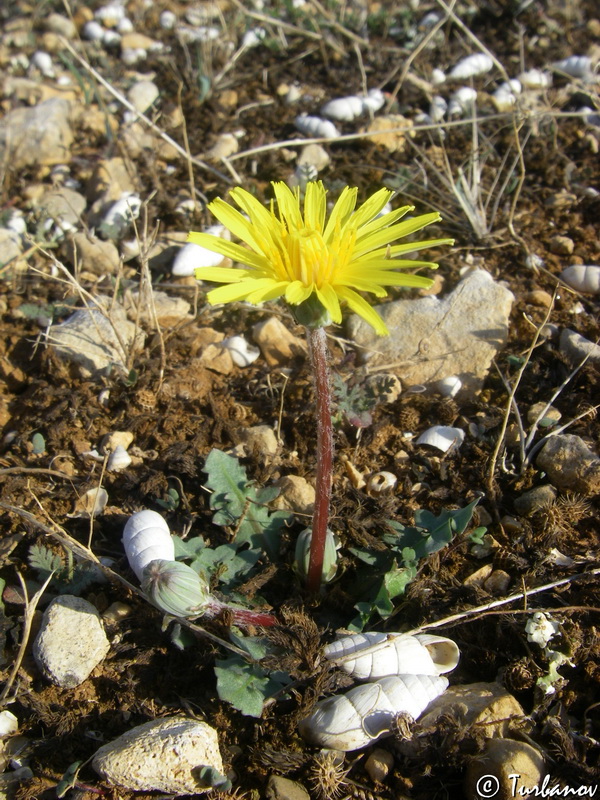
(253, 37)
(125, 26)
(142, 95)
(438, 76)
(131, 56)
(462, 101)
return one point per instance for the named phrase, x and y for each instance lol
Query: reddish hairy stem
(317, 341)
(241, 616)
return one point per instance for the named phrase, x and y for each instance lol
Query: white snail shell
(462, 101)
(582, 277)
(357, 718)
(449, 386)
(374, 655)
(119, 459)
(317, 127)
(146, 538)
(575, 66)
(242, 353)
(535, 79)
(442, 437)
(471, 66)
(191, 255)
(344, 109)
(380, 482)
(438, 108)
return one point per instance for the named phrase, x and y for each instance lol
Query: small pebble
(379, 764)
(71, 641)
(537, 499)
(562, 245)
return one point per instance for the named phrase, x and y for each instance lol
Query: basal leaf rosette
(310, 260)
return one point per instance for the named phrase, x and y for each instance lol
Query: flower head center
(309, 256)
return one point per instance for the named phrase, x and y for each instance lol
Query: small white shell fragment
(253, 37)
(43, 62)
(438, 108)
(438, 76)
(449, 386)
(167, 20)
(193, 256)
(110, 14)
(9, 724)
(540, 629)
(119, 459)
(362, 715)
(374, 100)
(462, 101)
(380, 482)
(582, 277)
(121, 213)
(131, 56)
(442, 437)
(535, 79)
(575, 66)
(111, 39)
(17, 222)
(93, 31)
(374, 655)
(146, 538)
(471, 66)
(125, 26)
(317, 127)
(343, 109)
(91, 503)
(163, 755)
(242, 353)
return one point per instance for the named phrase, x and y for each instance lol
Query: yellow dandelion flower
(304, 256)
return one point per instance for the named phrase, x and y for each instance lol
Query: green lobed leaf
(242, 684)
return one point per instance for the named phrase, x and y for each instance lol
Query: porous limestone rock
(164, 755)
(432, 338)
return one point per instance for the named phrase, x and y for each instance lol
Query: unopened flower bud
(175, 588)
(330, 557)
(312, 313)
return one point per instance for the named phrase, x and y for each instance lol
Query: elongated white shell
(146, 538)
(582, 277)
(442, 437)
(317, 127)
(344, 109)
(191, 256)
(575, 66)
(373, 655)
(438, 108)
(356, 719)
(471, 66)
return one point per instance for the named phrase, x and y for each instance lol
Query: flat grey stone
(280, 788)
(163, 755)
(576, 347)
(65, 206)
(97, 339)
(71, 641)
(431, 338)
(41, 135)
(570, 464)
(537, 499)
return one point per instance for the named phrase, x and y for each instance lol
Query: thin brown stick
(465, 615)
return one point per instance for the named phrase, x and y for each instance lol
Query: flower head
(303, 256)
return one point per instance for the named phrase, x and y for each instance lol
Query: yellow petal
(384, 221)
(289, 205)
(408, 247)
(363, 309)
(235, 222)
(370, 208)
(297, 293)
(230, 293)
(328, 297)
(234, 251)
(315, 206)
(267, 292)
(383, 237)
(341, 212)
(222, 274)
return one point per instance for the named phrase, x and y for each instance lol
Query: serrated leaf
(44, 560)
(255, 646)
(242, 684)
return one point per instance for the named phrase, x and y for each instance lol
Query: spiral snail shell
(357, 718)
(146, 538)
(374, 655)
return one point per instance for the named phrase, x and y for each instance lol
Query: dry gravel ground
(526, 207)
